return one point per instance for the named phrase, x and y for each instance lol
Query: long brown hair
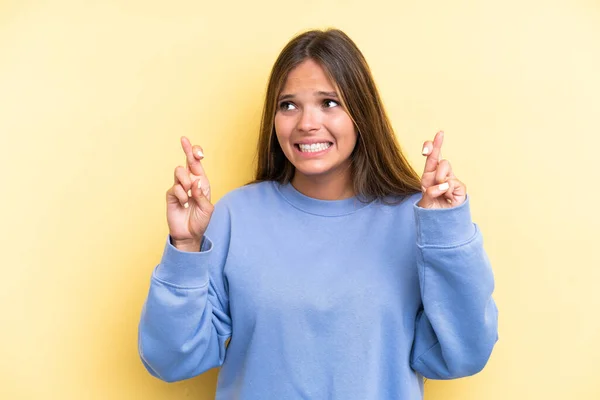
(379, 168)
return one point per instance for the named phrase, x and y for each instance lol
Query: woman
(338, 273)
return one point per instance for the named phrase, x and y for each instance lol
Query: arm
(185, 320)
(458, 326)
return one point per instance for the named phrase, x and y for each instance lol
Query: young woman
(338, 273)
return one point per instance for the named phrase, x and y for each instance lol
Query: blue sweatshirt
(299, 298)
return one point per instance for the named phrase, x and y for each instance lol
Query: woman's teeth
(312, 148)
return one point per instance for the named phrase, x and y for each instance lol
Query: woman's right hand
(188, 216)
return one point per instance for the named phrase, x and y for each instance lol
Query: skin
(305, 113)
(437, 175)
(188, 216)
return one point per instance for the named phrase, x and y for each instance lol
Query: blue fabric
(322, 299)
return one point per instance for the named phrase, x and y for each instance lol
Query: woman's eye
(286, 106)
(330, 103)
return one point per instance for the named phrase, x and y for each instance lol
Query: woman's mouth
(312, 149)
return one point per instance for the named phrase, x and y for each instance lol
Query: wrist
(189, 245)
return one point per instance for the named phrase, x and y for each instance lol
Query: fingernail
(200, 153)
(425, 150)
(190, 193)
(186, 205)
(199, 185)
(443, 187)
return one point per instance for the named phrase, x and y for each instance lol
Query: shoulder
(400, 209)
(400, 203)
(240, 201)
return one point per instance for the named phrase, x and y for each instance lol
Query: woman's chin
(318, 169)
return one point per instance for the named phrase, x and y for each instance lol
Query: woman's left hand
(440, 187)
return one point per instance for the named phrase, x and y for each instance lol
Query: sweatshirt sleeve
(458, 326)
(185, 321)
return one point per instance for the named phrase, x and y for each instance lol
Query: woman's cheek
(283, 126)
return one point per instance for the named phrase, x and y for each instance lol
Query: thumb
(199, 194)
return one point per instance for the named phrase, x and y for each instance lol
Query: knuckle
(179, 173)
(180, 191)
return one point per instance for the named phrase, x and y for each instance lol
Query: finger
(427, 146)
(434, 156)
(196, 167)
(456, 191)
(458, 188)
(199, 196)
(187, 147)
(193, 157)
(449, 194)
(436, 191)
(204, 186)
(178, 193)
(182, 176)
(443, 172)
(198, 152)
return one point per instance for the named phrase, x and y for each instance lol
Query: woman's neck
(324, 187)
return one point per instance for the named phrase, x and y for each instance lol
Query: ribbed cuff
(444, 226)
(185, 268)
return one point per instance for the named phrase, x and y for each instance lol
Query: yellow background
(94, 96)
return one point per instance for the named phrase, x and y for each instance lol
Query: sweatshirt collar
(326, 208)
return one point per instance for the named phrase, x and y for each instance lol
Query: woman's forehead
(308, 76)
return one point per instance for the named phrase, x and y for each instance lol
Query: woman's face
(314, 131)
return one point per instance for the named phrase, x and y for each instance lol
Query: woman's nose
(310, 120)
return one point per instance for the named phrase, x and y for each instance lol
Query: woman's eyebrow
(327, 94)
(286, 97)
(319, 93)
